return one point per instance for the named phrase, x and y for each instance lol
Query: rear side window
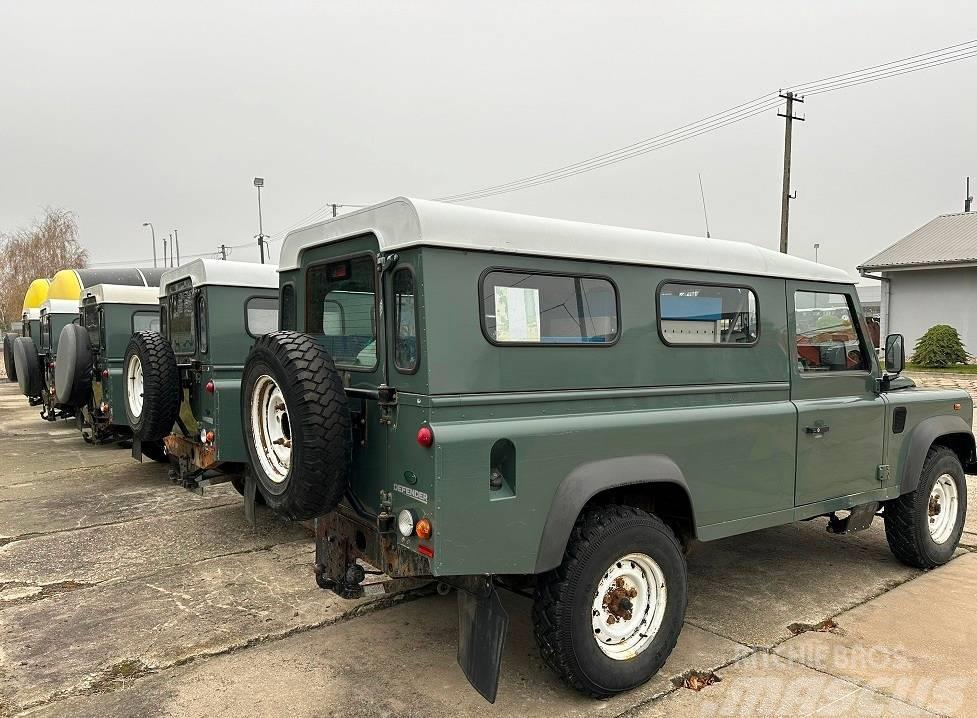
(827, 334)
(405, 320)
(202, 335)
(530, 308)
(342, 311)
(288, 307)
(262, 315)
(707, 314)
(180, 314)
(145, 322)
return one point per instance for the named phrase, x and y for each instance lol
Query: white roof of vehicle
(123, 294)
(403, 222)
(60, 306)
(217, 271)
(33, 313)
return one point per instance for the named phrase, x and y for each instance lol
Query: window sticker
(517, 314)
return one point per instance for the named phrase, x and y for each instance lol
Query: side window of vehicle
(405, 320)
(530, 308)
(828, 336)
(262, 315)
(707, 314)
(146, 322)
(288, 307)
(201, 310)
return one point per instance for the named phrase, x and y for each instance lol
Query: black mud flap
(137, 449)
(482, 628)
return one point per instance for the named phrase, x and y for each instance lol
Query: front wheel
(608, 617)
(923, 527)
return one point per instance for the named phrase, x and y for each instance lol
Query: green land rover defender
(494, 399)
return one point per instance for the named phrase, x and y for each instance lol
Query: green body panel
(221, 361)
(733, 419)
(115, 329)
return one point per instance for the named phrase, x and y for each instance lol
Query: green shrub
(939, 347)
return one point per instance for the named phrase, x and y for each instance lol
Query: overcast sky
(126, 112)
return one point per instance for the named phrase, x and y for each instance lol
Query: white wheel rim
(134, 382)
(942, 508)
(629, 606)
(271, 428)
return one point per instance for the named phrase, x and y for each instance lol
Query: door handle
(818, 430)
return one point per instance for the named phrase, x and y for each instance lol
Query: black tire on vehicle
(155, 450)
(567, 617)
(923, 527)
(9, 365)
(312, 418)
(73, 369)
(28, 365)
(151, 412)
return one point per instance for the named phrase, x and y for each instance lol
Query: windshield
(342, 311)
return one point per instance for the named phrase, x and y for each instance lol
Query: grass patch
(953, 369)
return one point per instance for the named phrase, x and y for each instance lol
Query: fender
(589, 479)
(925, 433)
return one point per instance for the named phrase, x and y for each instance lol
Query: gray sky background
(131, 111)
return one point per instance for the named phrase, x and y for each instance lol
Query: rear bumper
(200, 455)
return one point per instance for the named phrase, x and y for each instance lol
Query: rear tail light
(105, 373)
(210, 387)
(210, 437)
(425, 437)
(425, 551)
(423, 529)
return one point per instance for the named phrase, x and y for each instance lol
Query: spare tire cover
(73, 366)
(28, 366)
(8, 357)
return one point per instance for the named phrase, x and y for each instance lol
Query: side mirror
(895, 353)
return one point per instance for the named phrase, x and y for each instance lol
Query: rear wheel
(923, 527)
(8, 356)
(610, 615)
(28, 365)
(73, 370)
(151, 386)
(296, 424)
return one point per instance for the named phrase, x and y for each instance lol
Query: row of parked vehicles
(487, 399)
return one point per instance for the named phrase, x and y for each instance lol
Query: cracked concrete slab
(141, 546)
(89, 497)
(765, 685)
(400, 661)
(916, 642)
(74, 641)
(751, 587)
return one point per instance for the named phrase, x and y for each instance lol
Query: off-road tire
(28, 364)
(73, 369)
(564, 600)
(8, 357)
(318, 413)
(161, 386)
(907, 517)
(155, 450)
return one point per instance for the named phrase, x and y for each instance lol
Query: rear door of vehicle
(840, 415)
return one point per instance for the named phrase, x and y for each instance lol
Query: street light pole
(816, 248)
(153, 230)
(176, 240)
(259, 182)
(164, 251)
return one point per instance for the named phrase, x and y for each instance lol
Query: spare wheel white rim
(629, 606)
(271, 429)
(942, 508)
(135, 385)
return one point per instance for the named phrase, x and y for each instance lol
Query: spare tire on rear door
(73, 369)
(296, 424)
(28, 365)
(150, 386)
(8, 357)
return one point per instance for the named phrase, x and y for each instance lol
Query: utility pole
(153, 230)
(259, 182)
(223, 252)
(969, 199)
(176, 240)
(334, 207)
(164, 251)
(817, 246)
(786, 196)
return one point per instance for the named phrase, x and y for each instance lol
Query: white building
(930, 277)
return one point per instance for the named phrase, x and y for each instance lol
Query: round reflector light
(425, 437)
(423, 529)
(209, 387)
(405, 523)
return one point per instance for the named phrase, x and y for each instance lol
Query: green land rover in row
(496, 399)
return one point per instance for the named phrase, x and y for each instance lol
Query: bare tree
(40, 250)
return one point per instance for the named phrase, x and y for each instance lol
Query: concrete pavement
(123, 595)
